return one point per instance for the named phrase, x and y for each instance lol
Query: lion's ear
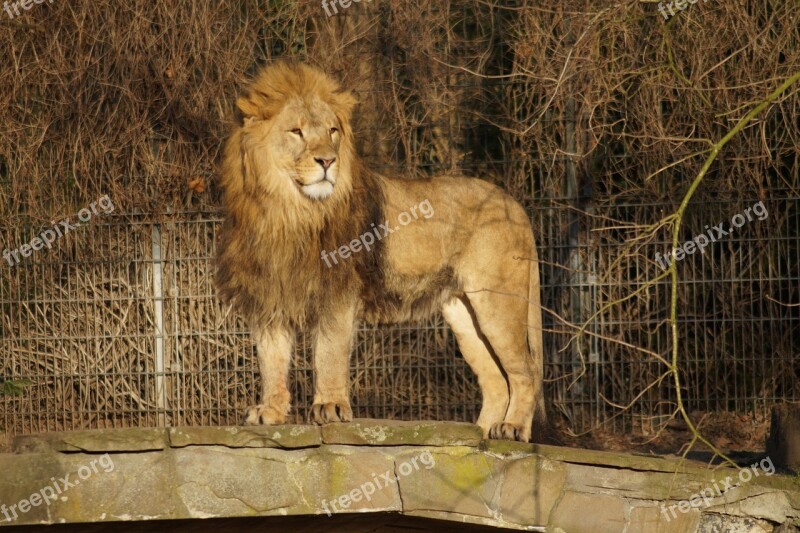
(343, 103)
(247, 108)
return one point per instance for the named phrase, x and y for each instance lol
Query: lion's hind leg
(502, 318)
(475, 349)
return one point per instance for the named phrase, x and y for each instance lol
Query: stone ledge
(286, 436)
(647, 463)
(360, 432)
(366, 467)
(93, 440)
(370, 432)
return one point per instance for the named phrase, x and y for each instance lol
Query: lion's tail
(541, 427)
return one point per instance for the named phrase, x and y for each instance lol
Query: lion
(294, 255)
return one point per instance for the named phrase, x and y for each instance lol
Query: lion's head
(293, 188)
(296, 133)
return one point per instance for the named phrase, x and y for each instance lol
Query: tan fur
(296, 191)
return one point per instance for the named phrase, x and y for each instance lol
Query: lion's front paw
(507, 431)
(263, 415)
(323, 413)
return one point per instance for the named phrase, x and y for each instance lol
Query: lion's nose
(326, 163)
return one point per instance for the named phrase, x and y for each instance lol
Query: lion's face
(301, 148)
(294, 138)
(303, 142)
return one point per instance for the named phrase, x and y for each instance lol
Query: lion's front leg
(334, 342)
(274, 347)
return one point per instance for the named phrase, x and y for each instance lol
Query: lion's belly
(404, 298)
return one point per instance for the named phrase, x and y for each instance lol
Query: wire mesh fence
(118, 325)
(591, 114)
(737, 340)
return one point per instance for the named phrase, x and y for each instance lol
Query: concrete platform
(419, 469)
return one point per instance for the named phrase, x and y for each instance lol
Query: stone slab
(464, 481)
(46, 488)
(94, 440)
(590, 457)
(369, 432)
(578, 512)
(288, 436)
(192, 473)
(531, 488)
(655, 519)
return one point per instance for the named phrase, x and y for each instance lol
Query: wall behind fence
(594, 117)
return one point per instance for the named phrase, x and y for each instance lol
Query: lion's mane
(268, 259)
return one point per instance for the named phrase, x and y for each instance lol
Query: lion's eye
(334, 130)
(298, 132)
